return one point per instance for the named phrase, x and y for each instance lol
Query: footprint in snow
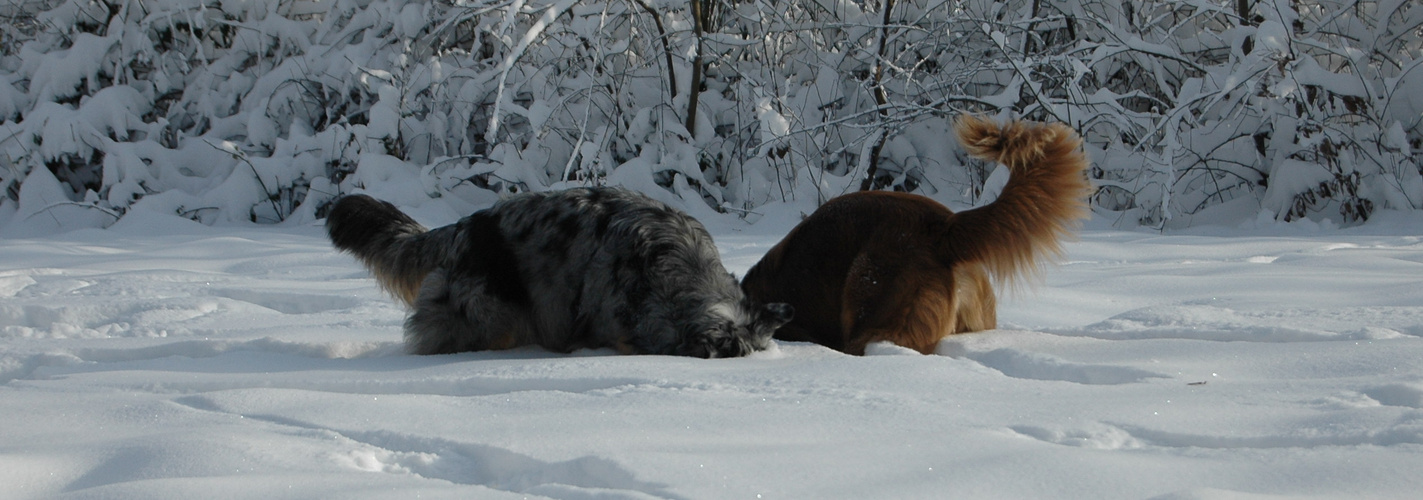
(288, 303)
(1405, 395)
(458, 462)
(1121, 436)
(498, 468)
(1037, 366)
(1095, 436)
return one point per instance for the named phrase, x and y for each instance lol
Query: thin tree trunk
(1028, 44)
(695, 90)
(881, 99)
(666, 49)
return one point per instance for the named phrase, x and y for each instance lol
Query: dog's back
(876, 266)
(585, 267)
(612, 266)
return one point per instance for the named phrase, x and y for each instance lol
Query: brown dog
(877, 266)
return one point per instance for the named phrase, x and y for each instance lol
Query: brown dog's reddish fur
(883, 266)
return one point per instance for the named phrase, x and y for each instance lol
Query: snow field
(1269, 361)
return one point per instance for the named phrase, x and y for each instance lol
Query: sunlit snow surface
(1276, 361)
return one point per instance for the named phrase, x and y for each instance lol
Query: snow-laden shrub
(1295, 107)
(265, 110)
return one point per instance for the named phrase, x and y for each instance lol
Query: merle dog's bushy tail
(399, 251)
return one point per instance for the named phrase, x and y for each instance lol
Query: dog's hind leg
(912, 308)
(456, 315)
(975, 306)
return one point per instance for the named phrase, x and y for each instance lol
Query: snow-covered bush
(265, 110)
(1296, 107)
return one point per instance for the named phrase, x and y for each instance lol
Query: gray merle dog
(587, 267)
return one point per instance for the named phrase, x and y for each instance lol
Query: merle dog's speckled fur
(587, 267)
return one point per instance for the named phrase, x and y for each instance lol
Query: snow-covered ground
(1274, 361)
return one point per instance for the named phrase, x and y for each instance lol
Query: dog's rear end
(882, 266)
(399, 251)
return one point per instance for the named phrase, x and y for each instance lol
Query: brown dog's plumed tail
(1044, 201)
(399, 251)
